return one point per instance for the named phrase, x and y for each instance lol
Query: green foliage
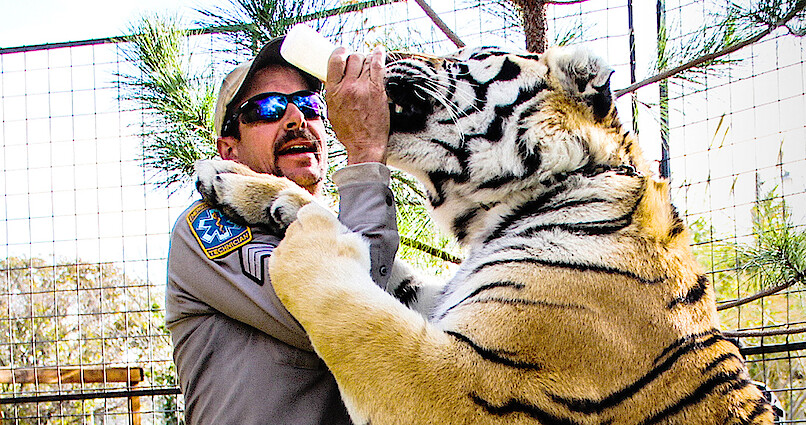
(422, 244)
(180, 103)
(778, 254)
(775, 255)
(772, 258)
(570, 35)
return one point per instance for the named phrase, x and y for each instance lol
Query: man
(240, 356)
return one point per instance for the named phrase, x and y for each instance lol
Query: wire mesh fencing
(85, 230)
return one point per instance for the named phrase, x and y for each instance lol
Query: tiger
(579, 300)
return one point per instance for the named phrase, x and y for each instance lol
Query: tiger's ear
(583, 75)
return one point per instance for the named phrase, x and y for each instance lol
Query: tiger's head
(486, 128)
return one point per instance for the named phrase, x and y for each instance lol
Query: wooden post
(80, 375)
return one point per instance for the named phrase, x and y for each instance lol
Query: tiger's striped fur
(579, 302)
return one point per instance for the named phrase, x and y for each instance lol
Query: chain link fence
(85, 232)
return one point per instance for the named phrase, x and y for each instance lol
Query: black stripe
(485, 53)
(438, 180)
(694, 294)
(571, 203)
(527, 209)
(461, 223)
(480, 93)
(495, 356)
(761, 407)
(685, 340)
(415, 70)
(574, 266)
(498, 181)
(589, 406)
(591, 228)
(530, 156)
(521, 301)
(460, 153)
(722, 359)
(600, 227)
(530, 56)
(450, 94)
(519, 247)
(406, 293)
(495, 130)
(517, 406)
(509, 71)
(485, 287)
(677, 226)
(698, 395)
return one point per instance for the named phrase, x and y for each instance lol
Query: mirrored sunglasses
(271, 106)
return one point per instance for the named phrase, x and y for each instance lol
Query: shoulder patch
(216, 234)
(255, 261)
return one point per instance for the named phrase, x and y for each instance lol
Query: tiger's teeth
(398, 108)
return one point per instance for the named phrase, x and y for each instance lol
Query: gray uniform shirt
(240, 356)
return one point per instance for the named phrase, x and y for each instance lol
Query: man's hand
(357, 105)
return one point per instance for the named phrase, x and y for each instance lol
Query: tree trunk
(533, 14)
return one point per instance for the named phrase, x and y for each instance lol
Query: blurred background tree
(77, 315)
(760, 283)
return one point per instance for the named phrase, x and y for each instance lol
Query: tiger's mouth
(409, 106)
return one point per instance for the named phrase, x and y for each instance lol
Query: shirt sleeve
(367, 207)
(235, 284)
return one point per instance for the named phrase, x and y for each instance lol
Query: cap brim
(270, 55)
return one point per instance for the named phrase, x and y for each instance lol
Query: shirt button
(383, 270)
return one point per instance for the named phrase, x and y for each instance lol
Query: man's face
(293, 147)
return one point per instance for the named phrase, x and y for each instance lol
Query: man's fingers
(377, 65)
(335, 66)
(355, 63)
(342, 66)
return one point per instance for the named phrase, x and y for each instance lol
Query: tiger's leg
(411, 288)
(249, 197)
(392, 366)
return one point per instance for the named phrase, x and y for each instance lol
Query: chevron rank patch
(255, 261)
(217, 235)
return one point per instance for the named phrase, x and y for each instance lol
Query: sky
(52, 21)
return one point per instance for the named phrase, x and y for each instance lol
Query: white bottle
(308, 50)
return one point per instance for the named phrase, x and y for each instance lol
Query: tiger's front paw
(316, 254)
(248, 197)
(208, 180)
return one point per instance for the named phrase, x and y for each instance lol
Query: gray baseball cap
(234, 85)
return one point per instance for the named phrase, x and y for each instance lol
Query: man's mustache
(294, 134)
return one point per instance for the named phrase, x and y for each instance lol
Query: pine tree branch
(712, 56)
(436, 252)
(764, 333)
(440, 23)
(799, 277)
